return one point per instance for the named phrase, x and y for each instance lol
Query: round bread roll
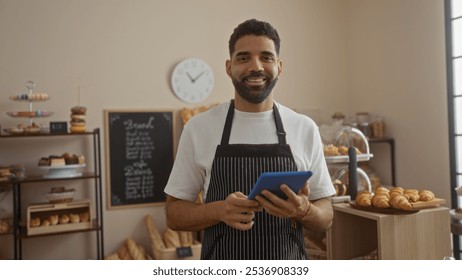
(84, 217)
(54, 219)
(74, 218)
(64, 219)
(35, 222)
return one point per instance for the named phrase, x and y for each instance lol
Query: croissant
(381, 201)
(426, 195)
(400, 202)
(364, 199)
(412, 195)
(381, 190)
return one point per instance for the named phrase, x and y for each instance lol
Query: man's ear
(228, 67)
(279, 66)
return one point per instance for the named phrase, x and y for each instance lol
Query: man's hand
(238, 211)
(296, 206)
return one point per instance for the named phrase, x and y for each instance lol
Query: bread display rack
(30, 97)
(350, 137)
(84, 215)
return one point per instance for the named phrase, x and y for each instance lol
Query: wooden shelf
(425, 235)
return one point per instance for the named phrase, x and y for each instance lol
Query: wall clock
(192, 80)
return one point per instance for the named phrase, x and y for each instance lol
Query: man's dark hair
(257, 28)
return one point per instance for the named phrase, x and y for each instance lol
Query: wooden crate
(44, 211)
(171, 253)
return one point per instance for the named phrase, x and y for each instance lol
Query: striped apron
(236, 167)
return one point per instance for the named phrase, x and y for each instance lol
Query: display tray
(383, 210)
(64, 171)
(339, 159)
(21, 132)
(417, 206)
(34, 98)
(29, 114)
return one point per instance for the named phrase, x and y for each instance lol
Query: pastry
(399, 201)
(58, 161)
(426, 195)
(364, 198)
(78, 119)
(340, 188)
(331, 150)
(381, 201)
(343, 150)
(79, 110)
(412, 195)
(45, 223)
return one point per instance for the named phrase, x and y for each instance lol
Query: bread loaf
(186, 238)
(171, 238)
(134, 250)
(154, 234)
(123, 253)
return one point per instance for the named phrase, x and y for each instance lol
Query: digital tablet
(272, 181)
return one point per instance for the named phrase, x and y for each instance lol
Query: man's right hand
(238, 211)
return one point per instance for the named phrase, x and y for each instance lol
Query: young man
(224, 150)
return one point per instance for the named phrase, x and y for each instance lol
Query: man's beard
(254, 94)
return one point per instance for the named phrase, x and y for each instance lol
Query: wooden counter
(418, 236)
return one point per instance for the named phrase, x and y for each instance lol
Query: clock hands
(193, 80)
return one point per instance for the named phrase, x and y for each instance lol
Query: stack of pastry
(396, 198)
(78, 119)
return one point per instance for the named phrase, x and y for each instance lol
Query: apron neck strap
(229, 121)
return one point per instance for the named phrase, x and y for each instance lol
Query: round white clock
(192, 80)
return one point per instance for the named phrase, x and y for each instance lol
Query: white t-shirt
(202, 134)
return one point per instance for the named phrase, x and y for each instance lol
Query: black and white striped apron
(236, 167)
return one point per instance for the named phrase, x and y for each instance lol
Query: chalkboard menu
(139, 156)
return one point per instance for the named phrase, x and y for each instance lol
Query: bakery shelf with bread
(67, 210)
(336, 148)
(52, 218)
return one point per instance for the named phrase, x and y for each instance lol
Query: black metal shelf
(20, 231)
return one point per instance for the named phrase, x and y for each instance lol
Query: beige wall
(381, 56)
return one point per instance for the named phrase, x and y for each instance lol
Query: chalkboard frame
(109, 168)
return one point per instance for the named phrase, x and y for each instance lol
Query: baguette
(123, 253)
(154, 234)
(186, 238)
(171, 238)
(134, 250)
